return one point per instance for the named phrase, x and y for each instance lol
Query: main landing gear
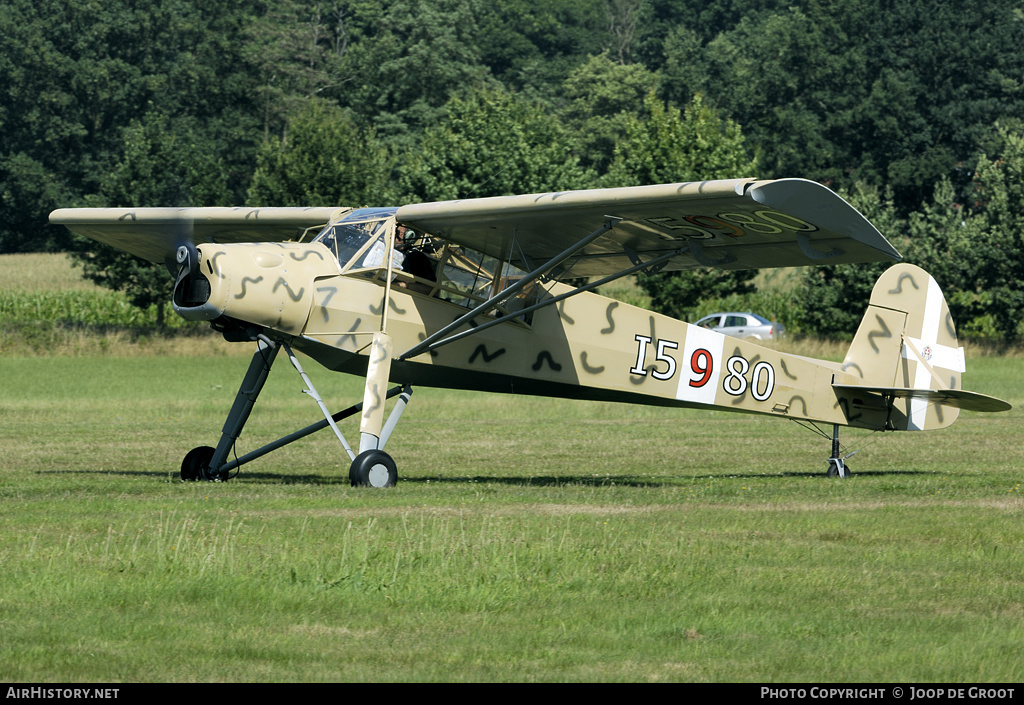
(371, 467)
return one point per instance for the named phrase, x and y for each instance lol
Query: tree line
(910, 110)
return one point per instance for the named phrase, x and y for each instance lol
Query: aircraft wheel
(833, 468)
(196, 464)
(373, 468)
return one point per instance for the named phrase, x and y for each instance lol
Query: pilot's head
(403, 237)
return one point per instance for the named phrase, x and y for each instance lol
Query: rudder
(906, 341)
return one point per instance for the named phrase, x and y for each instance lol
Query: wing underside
(731, 224)
(154, 234)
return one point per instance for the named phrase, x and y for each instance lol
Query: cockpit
(420, 262)
(352, 238)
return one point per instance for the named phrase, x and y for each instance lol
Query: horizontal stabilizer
(968, 401)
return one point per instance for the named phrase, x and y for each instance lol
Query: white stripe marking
(697, 338)
(929, 341)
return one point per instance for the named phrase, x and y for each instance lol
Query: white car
(743, 325)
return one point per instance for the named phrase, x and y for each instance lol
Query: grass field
(527, 540)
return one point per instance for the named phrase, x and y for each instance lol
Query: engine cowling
(267, 284)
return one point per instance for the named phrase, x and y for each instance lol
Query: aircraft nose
(192, 289)
(264, 284)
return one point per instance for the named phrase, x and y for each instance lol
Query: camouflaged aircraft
(469, 294)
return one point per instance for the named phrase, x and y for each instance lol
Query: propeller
(190, 287)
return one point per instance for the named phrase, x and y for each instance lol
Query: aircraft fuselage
(585, 347)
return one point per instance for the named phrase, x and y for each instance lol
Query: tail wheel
(373, 468)
(196, 464)
(834, 465)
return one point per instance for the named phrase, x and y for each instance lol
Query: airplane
(469, 294)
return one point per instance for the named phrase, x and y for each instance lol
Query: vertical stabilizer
(906, 341)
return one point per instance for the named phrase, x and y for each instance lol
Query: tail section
(906, 350)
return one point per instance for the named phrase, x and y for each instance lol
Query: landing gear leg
(837, 464)
(371, 422)
(373, 467)
(205, 463)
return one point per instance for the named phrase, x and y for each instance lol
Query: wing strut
(486, 306)
(546, 302)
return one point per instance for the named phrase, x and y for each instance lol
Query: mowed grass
(527, 540)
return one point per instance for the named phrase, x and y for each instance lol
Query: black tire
(833, 468)
(373, 468)
(196, 464)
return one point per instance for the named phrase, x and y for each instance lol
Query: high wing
(154, 234)
(729, 224)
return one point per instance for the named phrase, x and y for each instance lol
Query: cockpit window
(424, 264)
(470, 278)
(469, 275)
(349, 238)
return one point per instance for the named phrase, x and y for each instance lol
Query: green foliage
(531, 46)
(991, 246)
(491, 143)
(782, 73)
(666, 145)
(861, 91)
(28, 189)
(164, 164)
(78, 73)
(418, 54)
(677, 294)
(833, 297)
(92, 309)
(898, 98)
(603, 96)
(146, 285)
(325, 160)
(975, 252)
(297, 51)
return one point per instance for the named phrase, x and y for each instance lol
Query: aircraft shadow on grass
(532, 481)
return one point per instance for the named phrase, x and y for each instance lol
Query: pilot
(375, 257)
(416, 261)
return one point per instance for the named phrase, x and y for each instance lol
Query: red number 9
(701, 363)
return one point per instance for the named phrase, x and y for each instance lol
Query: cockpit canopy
(355, 235)
(420, 262)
